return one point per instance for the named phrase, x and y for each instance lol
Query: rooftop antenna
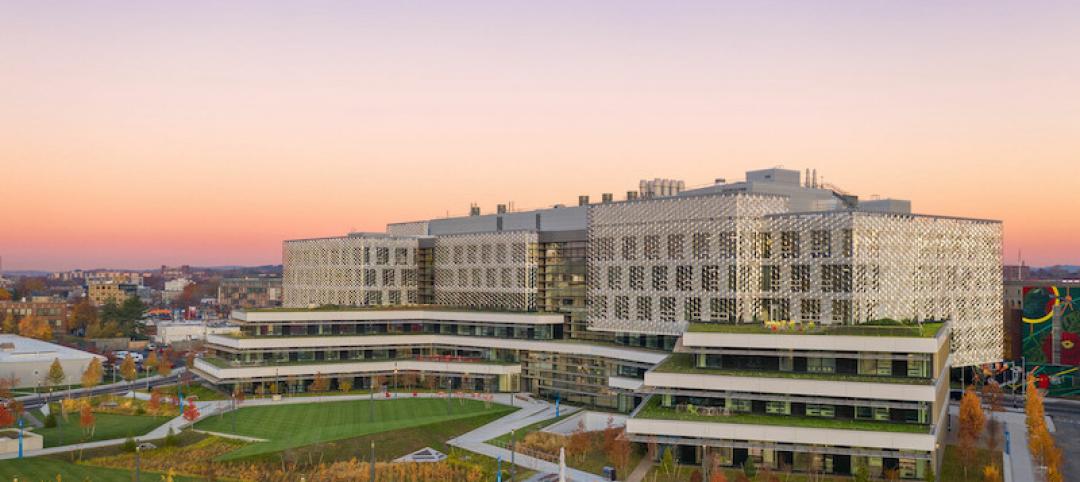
(806, 179)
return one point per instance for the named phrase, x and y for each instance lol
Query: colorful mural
(1060, 376)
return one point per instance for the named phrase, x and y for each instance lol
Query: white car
(120, 355)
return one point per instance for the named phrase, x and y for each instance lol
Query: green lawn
(54, 468)
(202, 393)
(107, 426)
(296, 425)
(953, 470)
(872, 328)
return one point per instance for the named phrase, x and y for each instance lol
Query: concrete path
(532, 411)
(642, 469)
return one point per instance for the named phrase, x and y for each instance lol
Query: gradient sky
(134, 134)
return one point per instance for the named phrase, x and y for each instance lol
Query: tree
(86, 420)
(748, 468)
(92, 376)
(717, 476)
(7, 416)
(1035, 413)
(971, 425)
(993, 432)
(5, 295)
(151, 360)
(994, 396)
(10, 326)
(191, 412)
(320, 383)
(83, 315)
(28, 285)
(34, 327)
(164, 366)
(155, 400)
(667, 464)
(619, 452)
(127, 369)
(991, 474)
(580, 441)
(345, 384)
(56, 374)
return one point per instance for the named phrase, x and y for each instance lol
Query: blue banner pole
(557, 398)
(20, 437)
(498, 472)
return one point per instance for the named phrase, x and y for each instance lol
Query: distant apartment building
(249, 292)
(174, 272)
(52, 310)
(174, 288)
(104, 291)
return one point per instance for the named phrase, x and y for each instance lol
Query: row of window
(732, 406)
(833, 278)
(350, 256)
(727, 245)
(725, 310)
(486, 277)
(484, 254)
(868, 364)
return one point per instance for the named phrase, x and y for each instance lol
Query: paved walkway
(532, 411)
(642, 469)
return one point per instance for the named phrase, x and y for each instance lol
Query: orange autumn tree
(86, 420)
(92, 376)
(972, 420)
(191, 412)
(34, 327)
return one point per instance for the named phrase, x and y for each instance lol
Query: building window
(401, 255)
(820, 244)
(762, 245)
(814, 410)
(710, 278)
(652, 247)
(684, 278)
(382, 256)
(637, 277)
(740, 404)
(699, 245)
(500, 253)
(388, 277)
(644, 308)
(849, 242)
(614, 277)
(667, 308)
(659, 278)
(836, 278)
(778, 408)
(770, 278)
(821, 365)
(810, 310)
(629, 248)
(841, 311)
(722, 309)
(692, 309)
(485, 253)
(800, 278)
(727, 244)
(675, 246)
(622, 307)
(789, 244)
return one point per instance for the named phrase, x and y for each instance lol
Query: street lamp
(137, 450)
(512, 453)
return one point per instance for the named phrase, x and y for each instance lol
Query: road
(1066, 417)
(34, 401)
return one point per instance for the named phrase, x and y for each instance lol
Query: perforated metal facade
(354, 270)
(487, 270)
(657, 265)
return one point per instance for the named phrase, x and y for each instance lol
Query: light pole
(512, 453)
(137, 463)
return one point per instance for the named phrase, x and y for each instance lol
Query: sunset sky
(135, 134)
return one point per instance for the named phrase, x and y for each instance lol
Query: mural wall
(1051, 337)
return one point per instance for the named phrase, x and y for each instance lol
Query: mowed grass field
(107, 426)
(296, 425)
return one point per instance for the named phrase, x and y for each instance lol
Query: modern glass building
(603, 303)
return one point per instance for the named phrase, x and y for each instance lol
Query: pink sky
(136, 135)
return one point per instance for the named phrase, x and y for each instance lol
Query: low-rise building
(26, 361)
(174, 288)
(102, 292)
(249, 292)
(812, 399)
(52, 310)
(169, 332)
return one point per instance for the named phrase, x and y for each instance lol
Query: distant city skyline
(205, 135)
